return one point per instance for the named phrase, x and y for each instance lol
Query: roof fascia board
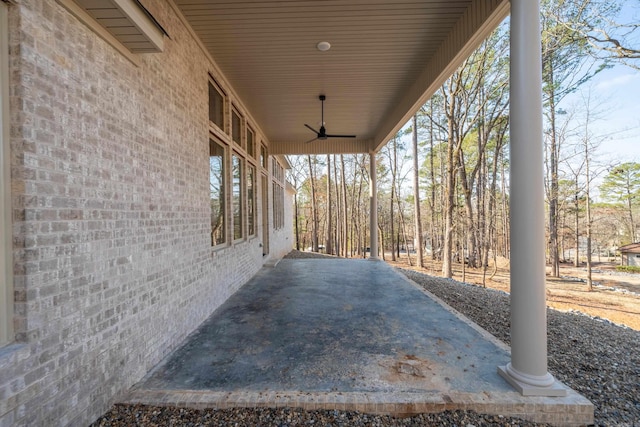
(337, 146)
(477, 23)
(144, 23)
(101, 31)
(6, 236)
(284, 161)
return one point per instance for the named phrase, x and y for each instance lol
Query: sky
(615, 105)
(615, 98)
(618, 89)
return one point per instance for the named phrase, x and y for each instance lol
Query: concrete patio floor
(349, 335)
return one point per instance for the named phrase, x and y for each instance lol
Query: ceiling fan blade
(314, 131)
(340, 136)
(311, 140)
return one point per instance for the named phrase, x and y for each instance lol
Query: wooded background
(443, 181)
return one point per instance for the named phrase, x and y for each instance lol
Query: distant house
(630, 254)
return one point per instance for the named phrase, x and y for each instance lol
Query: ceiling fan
(322, 134)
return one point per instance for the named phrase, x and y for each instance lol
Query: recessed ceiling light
(323, 46)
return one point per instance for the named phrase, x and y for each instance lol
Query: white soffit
(385, 58)
(126, 20)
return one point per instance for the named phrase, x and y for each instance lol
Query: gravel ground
(124, 415)
(593, 356)
(596, 358)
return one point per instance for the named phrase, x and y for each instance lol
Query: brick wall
(112, 253)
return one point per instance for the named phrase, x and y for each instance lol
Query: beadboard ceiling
(386, 59)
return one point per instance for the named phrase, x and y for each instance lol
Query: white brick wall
(113, 263)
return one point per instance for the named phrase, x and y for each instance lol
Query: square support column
(373, 207)
(527, 371)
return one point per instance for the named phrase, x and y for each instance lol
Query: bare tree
(564, 69)
(329, 231)
(345, 225)
(416, 196)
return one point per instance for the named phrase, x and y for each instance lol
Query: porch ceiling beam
(478, 22)
(333, 146)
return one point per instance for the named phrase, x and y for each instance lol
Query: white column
(527, 371)
(373, 207)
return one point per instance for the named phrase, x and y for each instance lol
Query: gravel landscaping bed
(593, 356)
(596, 358)
(126, 415)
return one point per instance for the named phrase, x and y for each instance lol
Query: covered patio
(144, 145)
(375, 64)
(349, 335)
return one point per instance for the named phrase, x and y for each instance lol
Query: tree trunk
(295, 204)
(381, 242)
(447, 268)
(337, 237)
(392, 201)
(433, 185)
(554, 257)
(576, 262)
(345, 224)
(453, 147)
(328, 246)
(588, 219)
(505, 214)
(629, 199)
(468, 204)
(587, 150)
(491, 209)
(416, 196)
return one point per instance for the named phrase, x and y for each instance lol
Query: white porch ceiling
(385, 61)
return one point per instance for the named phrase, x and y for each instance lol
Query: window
(6, 274)
(238, 199)
(216, 105)
(278, 206)
(236, 127)
(251, 144)
(251, 200)
(278, 194)
(263, 156)
(217, 192)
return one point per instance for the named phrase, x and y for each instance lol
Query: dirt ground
(615, 296)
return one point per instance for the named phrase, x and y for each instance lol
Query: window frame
(264, 157)
(251, 186)
(213, 84)
(250, 145)
(223, 197)
(6, 246)
(278, 185)
(233, 131)
(238, 222)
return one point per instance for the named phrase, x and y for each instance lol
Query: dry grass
(616, 296)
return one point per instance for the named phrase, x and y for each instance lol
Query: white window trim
(6, 259)
(243, 202)
(226, 163)
(220, 131)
